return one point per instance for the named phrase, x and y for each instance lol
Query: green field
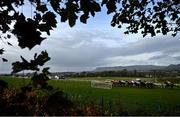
(133, 100)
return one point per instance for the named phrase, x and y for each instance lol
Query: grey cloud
(173, 50)
(151, 45)
(177, 57)
(81, 50)
(83, 56)
(91, 54)
(4, 68)
(159, 57)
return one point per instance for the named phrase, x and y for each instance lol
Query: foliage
(38, 79)
(3, 85)
(33, 64)
(1, 52)
(120, 73)
(125, 73)
(28, 101)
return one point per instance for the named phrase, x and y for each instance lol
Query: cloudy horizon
(97, 44)
(81, 50)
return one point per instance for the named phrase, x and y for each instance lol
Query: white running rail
(101, 84)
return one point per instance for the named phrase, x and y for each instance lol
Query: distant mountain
(131, 68)
(173, 67)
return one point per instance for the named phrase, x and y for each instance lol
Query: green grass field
(133, 100)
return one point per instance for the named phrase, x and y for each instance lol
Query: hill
(140, 68)
(173, 67)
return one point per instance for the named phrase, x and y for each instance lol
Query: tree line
(126, 73)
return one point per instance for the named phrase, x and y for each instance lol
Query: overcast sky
(87, 46)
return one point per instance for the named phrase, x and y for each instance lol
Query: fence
(101, 84)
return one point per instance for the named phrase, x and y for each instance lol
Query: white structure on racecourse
(101, 84)
(56, 77)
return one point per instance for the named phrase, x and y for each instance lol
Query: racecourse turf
(133, 100)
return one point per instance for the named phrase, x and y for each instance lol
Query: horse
(169, 84)
(122, 83)
(129, 83)
(149, 85)
(136, 84)
(142, 84)
(115, 82)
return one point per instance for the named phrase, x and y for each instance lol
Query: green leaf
(4, 60)
(63, 14)
(41, 8)
(96, 7)
(111, 6)
(8, 36)
(27, 33)
(72, 22)
(45, 70)
(1, 51)
(84, 18)
(104, 2)
(9, 43)
(33, 65)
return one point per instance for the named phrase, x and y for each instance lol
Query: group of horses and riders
(168, 84)
(141, 84)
